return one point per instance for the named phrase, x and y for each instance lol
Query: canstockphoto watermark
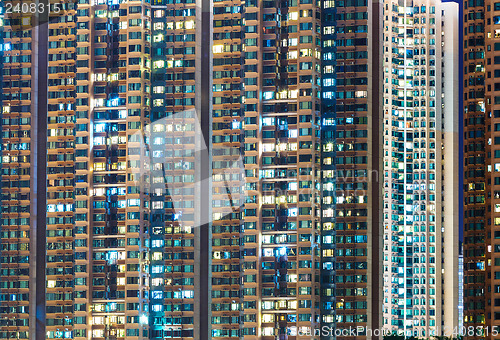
(350, 331)
(166, 160)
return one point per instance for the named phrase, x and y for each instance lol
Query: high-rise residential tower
(420, 167)
(479, 178)
(282, 167)
(23, 208)
(358, 161)
(111, 223)
(481, 40)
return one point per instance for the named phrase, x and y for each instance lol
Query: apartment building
(164, 175)
(358, 162)
(421, 165)
(481, 195)
(282, 166)
(22, 208)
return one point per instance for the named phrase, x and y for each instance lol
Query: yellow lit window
(158, 38)
(292, 55)
(306, 52)
(158, 102)
(98, 307)
(159, 64)
(267, 318)
(159, 89)
(282, 199)
(328, 226)
(218, 48)
(328, 252)
(98, 320)
(268, 199)
(98, 333)
(99, 166)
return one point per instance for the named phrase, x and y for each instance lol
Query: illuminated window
(98, 333)
(157, 256)
(218, 48)
(268, 95)
(267, 318)
(268, 147)
(160, 26)
(267, 305)
(158, 38)
(268, 199)
(268, 331)
(159, 64)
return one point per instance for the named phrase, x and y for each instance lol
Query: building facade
(481, 195)
(282, 227)
(421, 223)
(358, 163)
(170, 170)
